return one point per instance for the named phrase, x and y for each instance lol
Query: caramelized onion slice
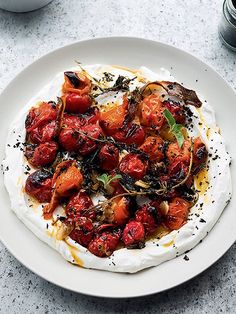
(172, 89)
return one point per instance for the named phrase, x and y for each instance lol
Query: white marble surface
(190, 25)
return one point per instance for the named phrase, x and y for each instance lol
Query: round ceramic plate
(130, 52)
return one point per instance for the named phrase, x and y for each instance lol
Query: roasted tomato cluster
(123, 151)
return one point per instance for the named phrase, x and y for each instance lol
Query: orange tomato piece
(151, 112)
(81, 85)
(69, 181)
(174, 152)
(113, 119)
(177, 214)
(153, 147)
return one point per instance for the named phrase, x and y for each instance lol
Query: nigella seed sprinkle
(186, 258)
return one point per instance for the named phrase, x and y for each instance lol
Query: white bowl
(22, 5)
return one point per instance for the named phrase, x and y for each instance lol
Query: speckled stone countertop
(190, 25)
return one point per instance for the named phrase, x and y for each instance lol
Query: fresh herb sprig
(106, 179)
(175, 129)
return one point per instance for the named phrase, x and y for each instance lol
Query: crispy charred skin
(149, 216)
(77, 206)
(109, 157)
(39, 185)
(42, 155)
(177, 214)
(105, 242)
(131, 134)
(83, 231)
(134, 235)
(40, 115)
(66, 180)
(134, 166)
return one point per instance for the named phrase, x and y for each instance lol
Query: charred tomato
(177, 214)
(134, 234)
(134, 166)
(76, 103)
(109, 157)
(148, 215)
(153, 147)
(43, 155)
(39, 185)
(105, 243)
(78, 205)
(151, 112)
(131, 134)
(83, 231)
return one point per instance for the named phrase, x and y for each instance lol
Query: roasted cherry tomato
(73, 121)
(112, 119)
(39, 185)
(76, 103)
(148, 215)
(40, 115)
(83, 232)
(104, 244)
(176, 109)
(69, 139)
(178, 169)
(132, 134)
(134, 166)
(119, 210)
(134, 234)
(76, 82)
(77, 206)
(177, 214)
(151, 112)
(73, 140)
(43, 133)
(199, 152)
(153, 147)
(109, 157)
(44, 154)
(174, 152)
(68, 181)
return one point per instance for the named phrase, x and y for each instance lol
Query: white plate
(131, 52)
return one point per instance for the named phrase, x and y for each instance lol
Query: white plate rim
(119, 38)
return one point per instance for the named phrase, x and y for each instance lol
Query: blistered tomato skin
(40, 115)
(177, 214)
(151, 112)
(109, 157)
(39, 186)
(174, 152)
(134, 234)
(78, 205)
(68, 139)
(73, 121)
(43, 133)
(77, 103)
(132, 134)
(134, 166)
(83, 232)
(104, 244)
(153, 147)
(80, 140)
(148, 216)
(44, 154)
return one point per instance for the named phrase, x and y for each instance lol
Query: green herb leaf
(107, 179)
(175, 129)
